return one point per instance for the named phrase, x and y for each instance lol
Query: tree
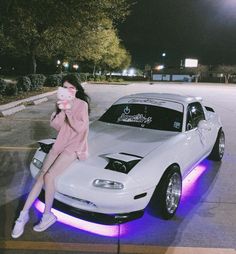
(102, 46)
(47, 28)
(226, 71)
(197, 71)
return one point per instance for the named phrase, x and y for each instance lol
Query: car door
(195, 145)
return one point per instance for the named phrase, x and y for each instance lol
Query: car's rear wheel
(169, 192)
(219, 147)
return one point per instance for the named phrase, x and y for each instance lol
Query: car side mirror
(203, 125)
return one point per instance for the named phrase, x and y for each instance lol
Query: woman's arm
(78, 117)
(57, 120)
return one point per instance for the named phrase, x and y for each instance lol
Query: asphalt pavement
(204, 223)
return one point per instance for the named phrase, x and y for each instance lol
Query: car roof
(183, 99)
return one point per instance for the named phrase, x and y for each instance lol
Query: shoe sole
(21, 233)
(16, 236)
(45, 227)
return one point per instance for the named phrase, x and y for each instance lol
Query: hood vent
(121, 162)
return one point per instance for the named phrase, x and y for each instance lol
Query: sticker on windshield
(147, 101)
(127, 110)
(177, 125)
(139, 118)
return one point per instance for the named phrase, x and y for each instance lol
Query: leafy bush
(111, 79)
(84, 77)
(53, 80)
(77, 75)
(97, 78)
(3, 85)
(11, 89)
(37, 81)
(23, 84)
(120, 79)
(103, 78)
(90, 78)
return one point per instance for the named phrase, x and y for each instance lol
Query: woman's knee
(40, 178)
(48, 178)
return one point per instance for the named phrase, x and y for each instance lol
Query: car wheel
(219, 147)
(169, 192)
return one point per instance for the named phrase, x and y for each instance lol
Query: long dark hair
(74, 80)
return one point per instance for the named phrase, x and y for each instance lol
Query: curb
(36, 102)
(16, 106)
(11, 111)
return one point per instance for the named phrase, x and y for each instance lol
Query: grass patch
(24, 95)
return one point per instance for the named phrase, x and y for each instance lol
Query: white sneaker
(46, 221)
(18, 229)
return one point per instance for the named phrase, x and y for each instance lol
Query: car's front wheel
(219, 147)
(169, 192)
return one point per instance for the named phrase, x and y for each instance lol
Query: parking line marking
(109, 248)
(148, 249)
(17, 148)
(25, 119)
(32, 120)
(28, 245)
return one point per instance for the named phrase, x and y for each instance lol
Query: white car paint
(157, 150)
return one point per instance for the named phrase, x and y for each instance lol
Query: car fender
(156, 162)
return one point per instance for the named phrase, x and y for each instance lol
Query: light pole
(163, 58)
(163, 63)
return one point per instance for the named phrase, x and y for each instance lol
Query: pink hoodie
(72, 126)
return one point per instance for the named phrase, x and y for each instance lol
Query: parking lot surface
(204, 223)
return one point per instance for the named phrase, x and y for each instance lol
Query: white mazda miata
(142, 147)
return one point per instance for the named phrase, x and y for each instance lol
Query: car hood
(107, 138)
(110, 141)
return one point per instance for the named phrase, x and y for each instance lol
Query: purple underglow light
(189, 183)
(191, 179)
(104, 230)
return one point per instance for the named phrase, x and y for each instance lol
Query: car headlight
(37, 163)
(107, 184)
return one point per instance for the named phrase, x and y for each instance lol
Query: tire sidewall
(162, 192)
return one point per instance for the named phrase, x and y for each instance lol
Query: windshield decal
(126, 110)
(177, 125)
(147, 100)
(139, 118)
(155, 102)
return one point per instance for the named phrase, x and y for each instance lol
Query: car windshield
(166, 117)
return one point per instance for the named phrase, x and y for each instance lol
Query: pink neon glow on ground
(190, 180)
(105, 230)
(112, 231)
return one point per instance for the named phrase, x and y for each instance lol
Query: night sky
(203, 29)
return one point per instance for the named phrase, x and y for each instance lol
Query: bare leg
(60, 165)
(34, 193)
(23, 218)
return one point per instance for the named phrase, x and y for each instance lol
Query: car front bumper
(85, 197)
(101, 218)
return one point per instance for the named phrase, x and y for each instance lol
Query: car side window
(195, 114)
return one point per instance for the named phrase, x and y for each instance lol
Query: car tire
(219, 147)
(169, 192)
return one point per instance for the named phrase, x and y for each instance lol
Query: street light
(75, 66)
(66, 65)
(163, 58)
(159, 67)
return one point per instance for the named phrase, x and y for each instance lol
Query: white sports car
(142, 147)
